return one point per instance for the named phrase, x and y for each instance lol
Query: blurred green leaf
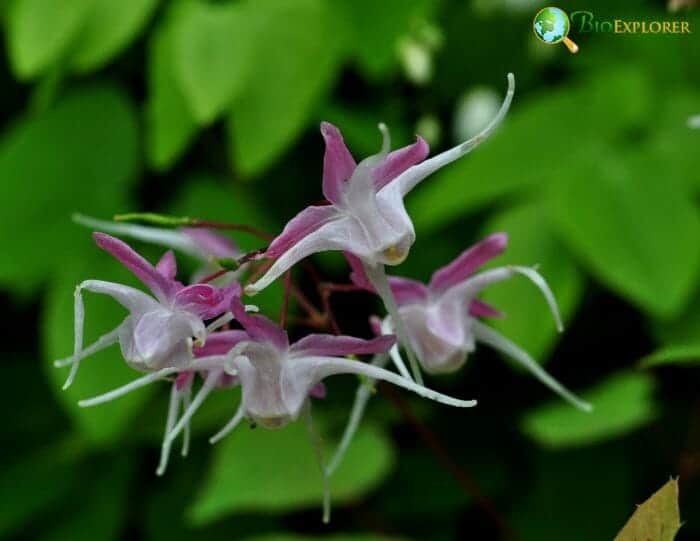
(531, 241)
(41, 31)
(211, 51)
(540, 138)
(103, 371)
(621, 404)
(102, 509)
(36, 482)
(170, 126)
(82, 154)
(274, 481)
(377, 27)
(110, 26)
(215, 198)
(680, 354)
(336, 537)
(657, 519)
(297, 52)
(574, 494)
(636, 228)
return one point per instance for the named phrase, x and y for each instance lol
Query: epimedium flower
(442, 317)
(276, 378)
(160, 330)
(366, 215)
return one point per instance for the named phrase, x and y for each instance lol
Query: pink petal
(467, 262)
(162, 287)
(206, 300)
(212, 243)
(338, 163)
(307, 221)
(357, 274)
(183, 379)
(319, 345)
(405, 290)
(167, 265)
(318, 391)
(259, 328)
(375, 323)
(479, 308)
(398, 161)
(220, 343)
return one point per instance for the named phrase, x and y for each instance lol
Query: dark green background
(211, 109)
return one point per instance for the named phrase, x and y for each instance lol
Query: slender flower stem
(362, 396)
(377, 276)
(317, 444)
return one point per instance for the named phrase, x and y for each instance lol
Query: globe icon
(551, 25)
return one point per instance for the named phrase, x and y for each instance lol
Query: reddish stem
(196, 222)
(461, 476)
(285, 298)
(214, 275)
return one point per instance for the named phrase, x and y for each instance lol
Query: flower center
(395, 254)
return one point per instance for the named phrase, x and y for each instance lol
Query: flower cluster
(205, 331)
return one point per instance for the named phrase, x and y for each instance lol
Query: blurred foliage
(210, 108)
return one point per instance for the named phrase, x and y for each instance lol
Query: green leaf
(104, 501)
(41, 31)
(297, 57)
(657, 519)
(277, 481)
(170, 126)
(337, 537)
(531, 241)
(211, 51)
(638, 235)
(103, 371)
(37, 482)
(680, 354)
(377, 27)
(81, 155)
(109, 28)
(522, 156)
(210, 197)
(621, 404)
(575, 494)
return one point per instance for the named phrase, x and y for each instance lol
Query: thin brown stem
(214, 276)
(285, 298)
(325, 290)
(196, 222)
(461, 476)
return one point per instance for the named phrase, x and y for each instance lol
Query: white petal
(412, 176)
(121, 391)
(233, 423)
(332, 235)
(494, 339)
(310, 370)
